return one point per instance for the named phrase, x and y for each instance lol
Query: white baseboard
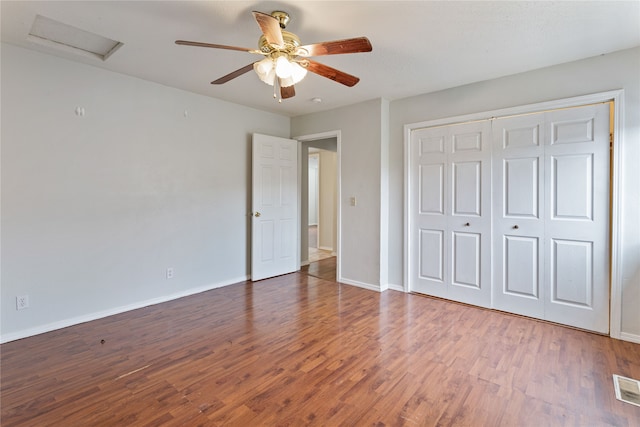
(325, 248)
(394, 287)
(359, 284)
(112, 311)
(625, 336)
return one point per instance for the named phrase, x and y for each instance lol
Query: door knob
(515, 227)
(257, 214)
(467, 224)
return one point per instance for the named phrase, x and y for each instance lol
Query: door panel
(572, 187)
(429, 181)
(465, 141)
(432, 255)
(577, 226)
(431, 191)
(275, 207)
(466, 259)
(571, 129)
(521, 265)
(571, 273)
(518, 265)
(551, 224)
(451, 206)
(466, 188)
(521, 189)
(523, 133)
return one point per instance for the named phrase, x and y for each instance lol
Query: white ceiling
(418, 46)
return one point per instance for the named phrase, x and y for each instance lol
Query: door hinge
(610, 141)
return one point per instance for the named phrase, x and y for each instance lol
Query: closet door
(577, 224)
(551, 216)
(519, 208)
(451, 221)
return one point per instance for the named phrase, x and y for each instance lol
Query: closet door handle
(515, 227)
(257, 214)
(467, 224)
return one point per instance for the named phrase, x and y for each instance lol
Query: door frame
(312, 137)
(615, 214)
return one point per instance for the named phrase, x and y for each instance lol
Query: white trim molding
(360, 285)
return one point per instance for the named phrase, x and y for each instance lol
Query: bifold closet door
(551, 216)
(450, 203)
(518, 210)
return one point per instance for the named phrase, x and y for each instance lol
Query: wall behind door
(327, 229)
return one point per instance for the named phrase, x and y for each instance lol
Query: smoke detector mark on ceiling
(51, 33)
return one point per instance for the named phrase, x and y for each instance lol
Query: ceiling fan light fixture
(287, 71)
(283, 67)
(297, 72)
(285, 58)
(265, 69)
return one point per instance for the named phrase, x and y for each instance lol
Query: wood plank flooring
(323, 269)
(299, 350)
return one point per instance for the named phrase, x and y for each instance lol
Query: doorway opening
(321, 202)
(319, 210)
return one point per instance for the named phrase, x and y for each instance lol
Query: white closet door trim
(617, 192)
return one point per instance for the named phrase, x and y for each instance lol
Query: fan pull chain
(275, 90)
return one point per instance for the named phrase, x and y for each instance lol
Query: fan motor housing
(291, 43)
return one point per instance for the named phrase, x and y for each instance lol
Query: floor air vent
(627, 390)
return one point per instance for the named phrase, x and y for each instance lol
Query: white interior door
(577, 224)
(551, 219)
(451, 212)
(519, 209)
(548, 221)
(275, 220)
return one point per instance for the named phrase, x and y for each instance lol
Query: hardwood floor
(299, 350)
(323, 269)
(316, 254)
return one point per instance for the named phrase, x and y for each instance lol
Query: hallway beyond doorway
(316, 254)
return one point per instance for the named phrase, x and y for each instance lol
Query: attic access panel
(51, 33)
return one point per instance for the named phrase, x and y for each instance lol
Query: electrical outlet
(22, 302)
(170, 273)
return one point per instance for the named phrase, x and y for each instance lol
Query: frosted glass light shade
(297, 72)
(288, 73)
(266, 71)
(283, 67)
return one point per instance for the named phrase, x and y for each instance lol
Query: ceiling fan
(285, 61)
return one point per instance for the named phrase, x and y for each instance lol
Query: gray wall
(95, 208)
(360, 170)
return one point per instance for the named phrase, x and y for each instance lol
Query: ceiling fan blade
(355, 45)
(233, 75)
(270, 28)
(215, 46)
(287, 92)
(331, 73)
